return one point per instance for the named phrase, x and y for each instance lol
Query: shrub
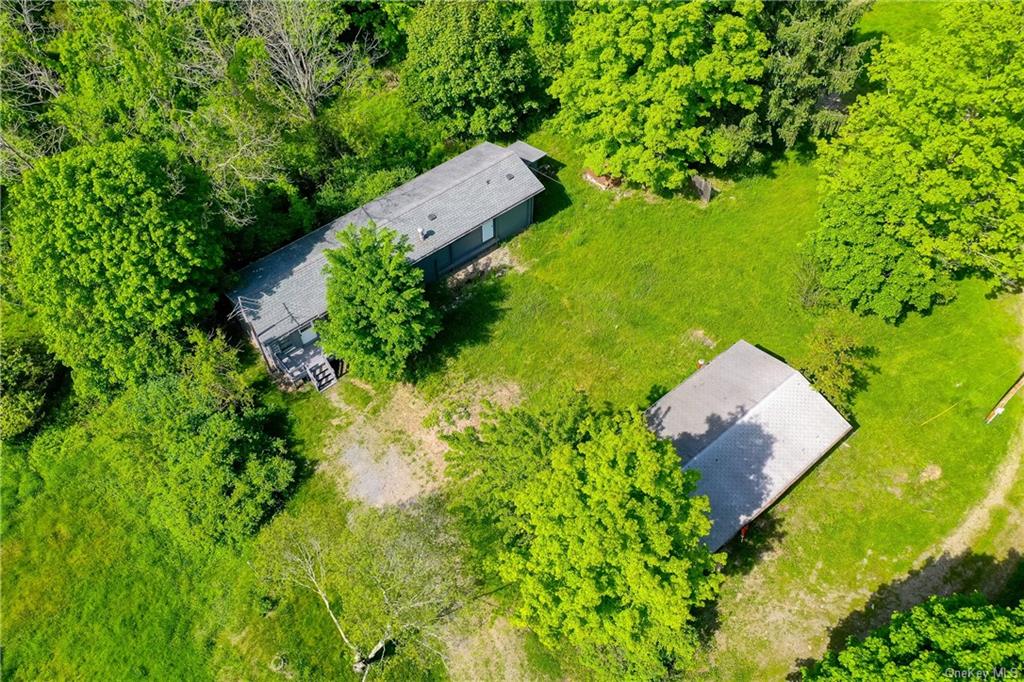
(26, 373)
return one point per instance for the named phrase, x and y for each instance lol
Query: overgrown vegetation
(113, 247)
(836, 365)
(400, 574)
(168, 516)
(27, 371)
(921, 184)
(590, 519)
(471, 66)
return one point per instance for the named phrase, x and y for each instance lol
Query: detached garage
(752, 426)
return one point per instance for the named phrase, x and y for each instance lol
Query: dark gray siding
(465, 248)
(435, 264)
(514, 221)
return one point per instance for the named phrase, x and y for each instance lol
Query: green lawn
(901, 20)
(612, 295)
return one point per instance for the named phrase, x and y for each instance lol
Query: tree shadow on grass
(742, 555)
(554, 199)
(469, 313)
(764, 535)
(1000, 580)
(470, 307)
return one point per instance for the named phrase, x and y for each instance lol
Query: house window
(308, 335)
(488, 230)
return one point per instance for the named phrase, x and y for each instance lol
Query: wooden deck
(301, 362)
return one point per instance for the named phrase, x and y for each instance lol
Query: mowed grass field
(619, 295)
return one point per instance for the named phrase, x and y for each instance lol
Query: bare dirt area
(386, 456)
(699, 336)
(486, 648)
(497, 262)
(393, 451)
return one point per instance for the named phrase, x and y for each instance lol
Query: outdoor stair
(321, 374)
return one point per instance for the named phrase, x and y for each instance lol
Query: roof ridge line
(505, 153)
(743, 416)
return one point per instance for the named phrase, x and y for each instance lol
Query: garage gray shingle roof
(752, 426)
(287, 288)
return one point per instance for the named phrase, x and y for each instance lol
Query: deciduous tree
(377, 316)
(923, 181)
(121, 69)
(958, 633)
(114, 249)
(26, 373)
(388, 580)
(470, 65)
(655, 90)
(308, 57)
(30, 83)
(199, 447)
(836, 365)
(592, 519)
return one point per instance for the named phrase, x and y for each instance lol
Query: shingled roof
(287, 288)
(752, 426)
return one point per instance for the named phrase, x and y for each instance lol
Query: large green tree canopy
(957, 633)
(923, 181)
(814, 58)
(122, 70)
(112, 247)
(377, 315)
(594, 521)
(471, 66)
(653, 90)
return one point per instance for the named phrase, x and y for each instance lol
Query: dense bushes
(958, 633)
(198, 447)
(470, 65)
(114, 249)
(26, 373)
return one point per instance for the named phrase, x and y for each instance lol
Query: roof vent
(432, 216)
(423, 235)
(509, 176)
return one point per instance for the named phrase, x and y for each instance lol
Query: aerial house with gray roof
(451, 215)
(752, 426)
